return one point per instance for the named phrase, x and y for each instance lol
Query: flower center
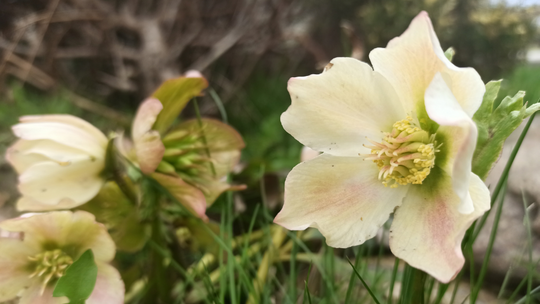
(50, 265)
(405, 155)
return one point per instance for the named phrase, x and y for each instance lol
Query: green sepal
(174, 94)
(449, 53)
(495, 125)
(79, 280)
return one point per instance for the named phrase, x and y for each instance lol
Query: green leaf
(495, 125)
(79, 280)
(174, 94)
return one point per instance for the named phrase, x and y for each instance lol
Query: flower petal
(13, 262)
(62, 133)
(23, 154)
(52, 183)
(457, 133)
(148, 145)
(334, 111)
(74, 231)
(340, 196)
(410, 61)
(428, 229)
(33, 295)
(109, 287)
(189, 196)
(70, 120)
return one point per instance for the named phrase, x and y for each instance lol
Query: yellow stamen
(404, 156)
(49, 265)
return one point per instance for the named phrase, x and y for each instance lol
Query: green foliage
(79, 280)
(495, 125)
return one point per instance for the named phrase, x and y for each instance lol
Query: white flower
(59, 159)
(31, 265)
(398, 135)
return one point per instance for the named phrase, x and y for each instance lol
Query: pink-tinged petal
(333, 112)
(109, 287)
(33, 295)
(65, 134)
(74, 231)
(148, 146)
(70, 120)
(52, 183)
(410, 62)
(340, 196)
(190, 197)
(308, 154)
(14, 275)
(23, 154)
(457, 133)
(428, 229)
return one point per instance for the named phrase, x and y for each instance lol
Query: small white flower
(59, 159)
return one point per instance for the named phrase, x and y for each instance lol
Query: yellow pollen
(49, 265)
(404, 156)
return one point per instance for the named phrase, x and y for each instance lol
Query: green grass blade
(306, 288)
(353, 276)
(487, 256)
(393, 281)
(219, 104)
(530, 295)
(530, 270)
(364, 283)
(292, 273)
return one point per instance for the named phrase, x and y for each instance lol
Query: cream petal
(109, 287)
(33, 295)
(334, 111)
(23, 154)
(340, 196)
(70, 120)
(20, 160)
(13, 263)
(428, 229)
(410, 62)
(457, 133)
(74, 231)
(148, 145)
(51, 183)
(62, 133)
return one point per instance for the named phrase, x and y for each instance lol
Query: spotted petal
(334, 111)
(340, 196)
(51, 183)
(428, 228)
(410, 62)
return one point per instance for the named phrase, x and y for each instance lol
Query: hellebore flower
(59, 159)
(50, 242)
(192, 159)
(399, 135)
